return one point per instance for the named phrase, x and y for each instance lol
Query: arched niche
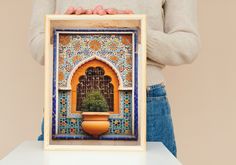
(81, 74)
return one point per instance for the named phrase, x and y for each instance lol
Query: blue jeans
(159, 121)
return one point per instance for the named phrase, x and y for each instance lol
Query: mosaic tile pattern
(72, 126)
(115, 48)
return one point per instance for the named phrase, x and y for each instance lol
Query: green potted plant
(95, 114)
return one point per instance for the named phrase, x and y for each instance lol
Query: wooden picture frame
(87, 53)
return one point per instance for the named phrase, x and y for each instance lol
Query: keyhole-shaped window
(95, 79)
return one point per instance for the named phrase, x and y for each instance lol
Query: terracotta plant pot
(95, 123)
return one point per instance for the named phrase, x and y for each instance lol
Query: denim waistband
(156, 90)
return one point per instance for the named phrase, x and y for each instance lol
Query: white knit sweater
(172, 36)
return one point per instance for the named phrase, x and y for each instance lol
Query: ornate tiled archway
(81, 72)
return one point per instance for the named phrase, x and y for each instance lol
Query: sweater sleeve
(36, 30)
(180, 41)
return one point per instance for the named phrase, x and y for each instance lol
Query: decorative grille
(95, 79)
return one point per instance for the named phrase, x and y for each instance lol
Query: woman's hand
(99, 10)
(73, 10)
(111, 11)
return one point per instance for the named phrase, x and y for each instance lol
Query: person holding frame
(172, 39)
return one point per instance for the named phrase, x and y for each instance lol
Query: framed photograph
(95, 82)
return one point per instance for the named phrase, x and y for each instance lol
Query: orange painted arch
(81, 71)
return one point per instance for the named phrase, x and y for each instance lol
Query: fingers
(121, 12)
(111, 11)
(80, 11)
(77, 11)
(98, 7)
(97, 10)
(125, 12)
(102, 12)
(70, 10)
(89, 11)
(129, 11)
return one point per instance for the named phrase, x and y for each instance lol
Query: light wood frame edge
(48, 88)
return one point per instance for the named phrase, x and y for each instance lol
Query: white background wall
(202, 95)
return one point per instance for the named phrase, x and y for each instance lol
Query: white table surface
(32, 153)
